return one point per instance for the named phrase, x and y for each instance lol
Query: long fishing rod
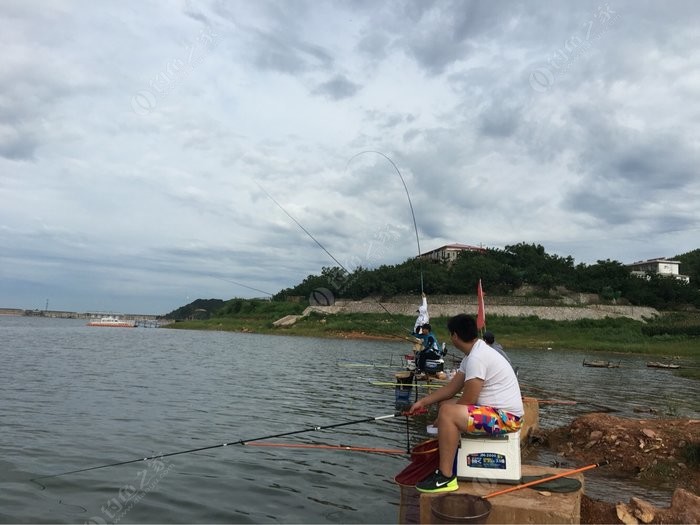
(239, 442)
(319, 244)
(346, 448)
(410, 204)
(245, 286)
(569, 398)
(548, 478)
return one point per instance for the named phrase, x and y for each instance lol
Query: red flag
(481, 314)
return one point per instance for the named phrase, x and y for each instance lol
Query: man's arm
(448, 391)
(472, 389)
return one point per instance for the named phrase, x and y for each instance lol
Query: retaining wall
(555, 313)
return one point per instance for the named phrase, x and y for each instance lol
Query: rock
(544, 493)
(686, 506)
(643, 510)
(287, 320)
(649, 433)
(624, 514)
(595, 435)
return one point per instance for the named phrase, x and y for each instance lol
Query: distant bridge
(147, 320)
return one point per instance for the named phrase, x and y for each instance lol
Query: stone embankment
(555, 313)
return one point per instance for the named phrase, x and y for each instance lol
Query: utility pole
(47, 306)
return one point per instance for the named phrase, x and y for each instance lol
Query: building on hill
(449, 252)
(659, 266)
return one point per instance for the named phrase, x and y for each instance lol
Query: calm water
(75, 396)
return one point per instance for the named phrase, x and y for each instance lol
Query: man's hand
(417, 407)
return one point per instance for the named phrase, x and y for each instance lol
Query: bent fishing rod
(410, 204)
(319, 244)
(415, 226)
(239, 442)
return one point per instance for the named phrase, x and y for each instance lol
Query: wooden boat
(601, 364)
(656, 364)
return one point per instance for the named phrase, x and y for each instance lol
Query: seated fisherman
(491, 402)
(430, 350)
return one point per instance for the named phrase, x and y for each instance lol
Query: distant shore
(598, 336)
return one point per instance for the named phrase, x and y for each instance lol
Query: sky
(153, 153)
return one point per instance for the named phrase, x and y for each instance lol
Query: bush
(674, 324)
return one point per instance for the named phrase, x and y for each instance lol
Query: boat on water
(656, 364)
(601, 364)
(112, 321)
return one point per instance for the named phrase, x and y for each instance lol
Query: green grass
(605, 335)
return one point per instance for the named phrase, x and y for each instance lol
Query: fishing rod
(410, 204)
(245, 286)
(324, 249)
(239, 442)
(548, 478)
(347, 448)
(578, 401)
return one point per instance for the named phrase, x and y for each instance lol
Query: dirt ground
(661, 451)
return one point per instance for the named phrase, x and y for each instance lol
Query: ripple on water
(76, 397)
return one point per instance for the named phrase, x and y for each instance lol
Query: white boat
(112, 321)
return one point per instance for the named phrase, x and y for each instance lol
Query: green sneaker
(437, 483)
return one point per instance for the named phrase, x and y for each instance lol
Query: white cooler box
(489, 457)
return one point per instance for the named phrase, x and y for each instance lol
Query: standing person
(490, 340)
(423, 316)
(491, 402)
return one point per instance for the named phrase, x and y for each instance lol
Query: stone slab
(521, 506)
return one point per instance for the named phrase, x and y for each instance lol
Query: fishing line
(410, 204)
(245, 286)
(304, 229)
(209, 447)
(325, 250)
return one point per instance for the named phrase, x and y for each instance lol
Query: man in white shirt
(491, 402)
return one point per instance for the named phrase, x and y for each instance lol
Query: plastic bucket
(460, 508)
(402, 391)
(425, 459)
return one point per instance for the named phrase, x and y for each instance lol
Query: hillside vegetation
(503, 272)
(518, 270)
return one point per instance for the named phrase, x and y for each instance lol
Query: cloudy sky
(142, 143)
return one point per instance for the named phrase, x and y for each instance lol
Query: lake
(76, 396)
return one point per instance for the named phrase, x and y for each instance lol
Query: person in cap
(431, 348)
(491, 402)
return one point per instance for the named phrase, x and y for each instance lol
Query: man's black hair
(464, 326)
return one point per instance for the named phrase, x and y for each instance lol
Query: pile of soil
(660, 451)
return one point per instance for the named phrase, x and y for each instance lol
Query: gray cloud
(337, 88)
(598, 162)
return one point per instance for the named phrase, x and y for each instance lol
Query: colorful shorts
(488, 420)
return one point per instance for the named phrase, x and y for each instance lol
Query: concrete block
(521, 506)
(531, 420)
